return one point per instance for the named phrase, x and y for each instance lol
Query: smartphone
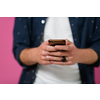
(53, 42)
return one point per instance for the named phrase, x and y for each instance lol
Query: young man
(43, 63)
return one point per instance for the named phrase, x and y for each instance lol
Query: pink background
(10, 70)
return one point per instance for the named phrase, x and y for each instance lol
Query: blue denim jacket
(28, 32)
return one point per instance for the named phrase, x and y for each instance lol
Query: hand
(42, 53)
(71, 52)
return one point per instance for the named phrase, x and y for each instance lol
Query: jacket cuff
(17, 54)
(97, 50)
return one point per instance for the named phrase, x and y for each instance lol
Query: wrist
(87, 56)
(80, 55)
(34, 55)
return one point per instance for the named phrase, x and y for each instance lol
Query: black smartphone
(53, 42)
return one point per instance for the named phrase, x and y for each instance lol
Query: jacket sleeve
(95, 45)
(21, 37)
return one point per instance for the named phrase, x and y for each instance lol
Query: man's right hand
(43, 50)
(31, 56)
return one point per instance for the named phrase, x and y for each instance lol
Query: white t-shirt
(57, 28)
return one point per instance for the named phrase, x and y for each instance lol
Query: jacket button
(42, 21)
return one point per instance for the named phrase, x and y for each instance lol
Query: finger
(68, 42)
(67, 59)
(49, 58)
(46, 62)
(65, 47)
(62, 63)
(44, 53)
(52, 58)
(49, 48)
(59, 53)
(46, 42)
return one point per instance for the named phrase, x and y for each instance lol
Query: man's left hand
(70, 51)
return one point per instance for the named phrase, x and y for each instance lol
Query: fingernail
(47, 56)
(57, 46)
(52, 62)
(47, 52)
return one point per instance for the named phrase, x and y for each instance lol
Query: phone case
(53, 42)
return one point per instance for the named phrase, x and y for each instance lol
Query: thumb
(68, 42)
